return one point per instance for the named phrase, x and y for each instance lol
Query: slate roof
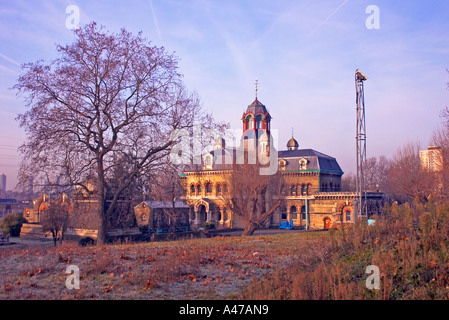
(316, 160)
(255, 107)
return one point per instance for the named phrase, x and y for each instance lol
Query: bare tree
(106, 96)
(375, 175)
(376, 172)
(348, 182)
(440, 138)
(55, 219)
(167, 188)
(406, 179)
(252, 196)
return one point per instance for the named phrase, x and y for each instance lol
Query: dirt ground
(15, 242)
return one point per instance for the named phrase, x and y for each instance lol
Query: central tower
(256, 127)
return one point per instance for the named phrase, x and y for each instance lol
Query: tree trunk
(101, 236)
(55, 237)
(253, 224)
(249, 229)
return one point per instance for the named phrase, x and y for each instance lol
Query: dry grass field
(216, 268)
(410, 247)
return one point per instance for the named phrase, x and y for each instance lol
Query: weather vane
(256, 83)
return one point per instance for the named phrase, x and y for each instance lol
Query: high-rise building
(431, 159)
(3, 190)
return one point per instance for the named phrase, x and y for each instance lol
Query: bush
(409, 245)
(208, 225)
(86, 241)
(12, 223)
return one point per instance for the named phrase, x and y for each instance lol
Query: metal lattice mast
(361, 143)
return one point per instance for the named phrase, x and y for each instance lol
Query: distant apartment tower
(3, 191)
(431, 159)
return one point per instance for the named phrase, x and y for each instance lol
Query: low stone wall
(31, 230)
(81, 233)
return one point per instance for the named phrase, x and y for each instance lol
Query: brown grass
(215, 268)
(409, 245)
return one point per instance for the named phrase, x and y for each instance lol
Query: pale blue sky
(304, 54)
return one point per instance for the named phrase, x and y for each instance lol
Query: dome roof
(292, 144)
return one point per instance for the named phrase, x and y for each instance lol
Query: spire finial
(256, 83)
(292, 132)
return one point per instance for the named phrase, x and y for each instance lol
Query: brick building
(311, 193)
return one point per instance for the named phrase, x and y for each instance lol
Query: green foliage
(12, 223)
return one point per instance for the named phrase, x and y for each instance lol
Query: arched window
(303, 164)
(293, 213)
(225, 188)
(192, 189)
(304, 190)
(208, 187)
(208, 162)
(258, 121)
(198, 189)
(348, 215)
(218, 189)
(283, 213)
(293, 190)
(225, 214)
(250, 120)
(303, 213)
(282, 164)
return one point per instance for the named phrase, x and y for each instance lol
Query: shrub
(12, 223)
(409, 244)
(208, 225)
(86, 241)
